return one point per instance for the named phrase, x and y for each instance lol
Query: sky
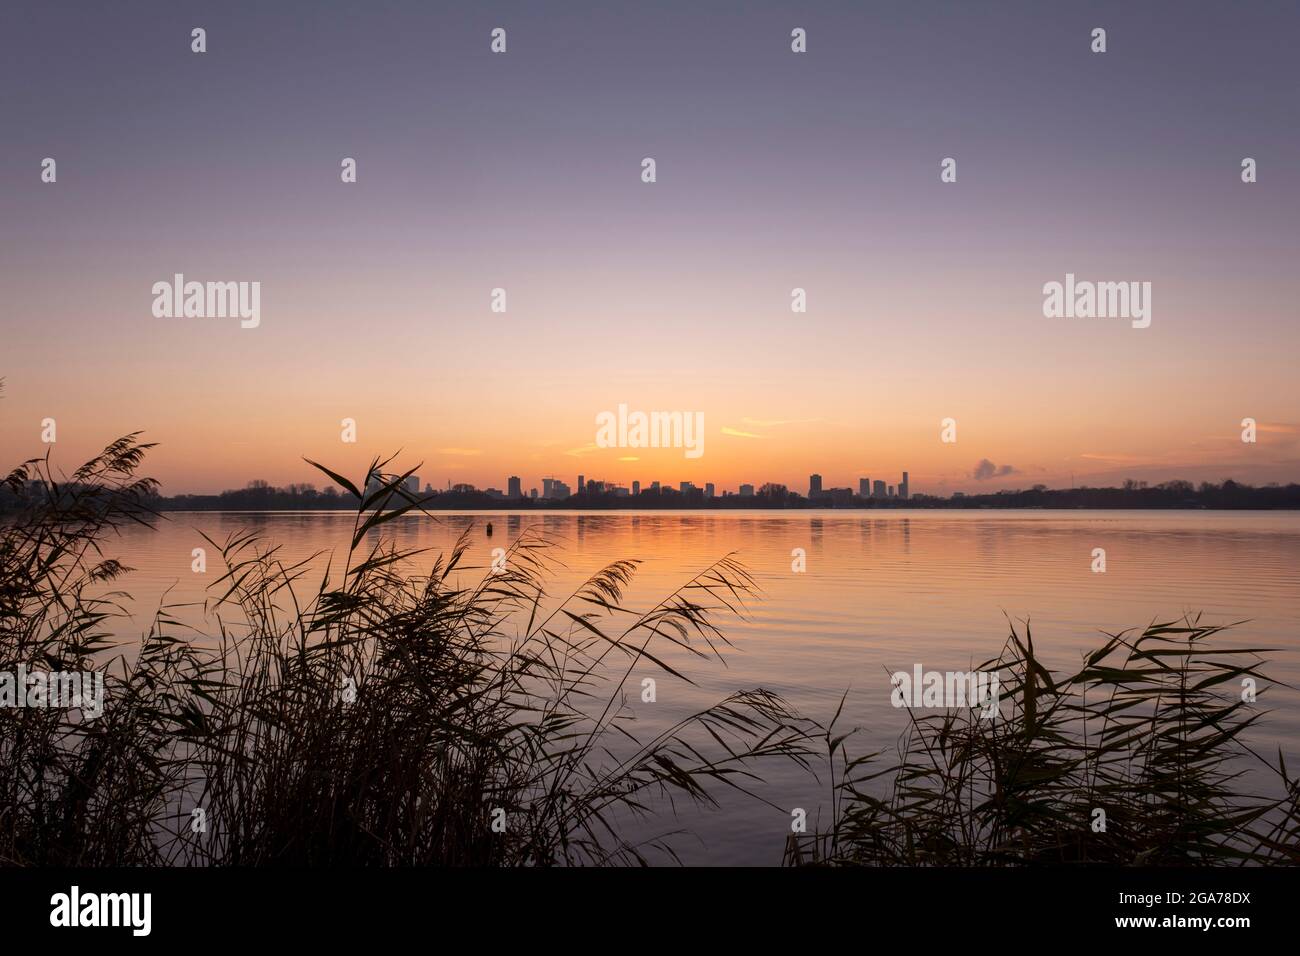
(775, 170)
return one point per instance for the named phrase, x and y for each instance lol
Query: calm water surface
(882, 591)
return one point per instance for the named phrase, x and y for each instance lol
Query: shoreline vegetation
(1173, 495)
(372, 717)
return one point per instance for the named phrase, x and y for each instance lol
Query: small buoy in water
(489, 529)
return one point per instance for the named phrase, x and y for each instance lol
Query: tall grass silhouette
(371, 717)
(1139, 757)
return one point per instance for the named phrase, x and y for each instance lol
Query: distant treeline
(259, 496)
(1171, 494)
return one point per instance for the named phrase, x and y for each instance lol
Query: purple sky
(775, 170)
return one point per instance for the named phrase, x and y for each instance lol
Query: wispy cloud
(583, 450)
(776, 422)
(737, 433)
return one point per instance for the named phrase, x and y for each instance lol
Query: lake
(880, 591)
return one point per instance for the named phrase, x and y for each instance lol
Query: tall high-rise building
(582, 486)
(864, 487)
(548, 487)
(654, 486)
(902, 487)
(636, 488)
(413, 484)
(890, 492)
(746, 491)
(814, 485)
(878, 489)
(514, 487)
(708, 489)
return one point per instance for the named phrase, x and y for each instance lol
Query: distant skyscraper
(686, 486)
(413, 484)
(654, 486)
(636, 488)
(746, 491)
(864, 487)
(514, 488)
(877, 489)
(533, 494)
(582, 486)
(814, 485)
(708, 489)
(890, 492)
(548, 487)
(902, 487)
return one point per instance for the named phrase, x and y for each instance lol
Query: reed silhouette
(1138, 757)
(373, 717)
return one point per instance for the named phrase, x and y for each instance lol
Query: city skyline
(553, 489)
